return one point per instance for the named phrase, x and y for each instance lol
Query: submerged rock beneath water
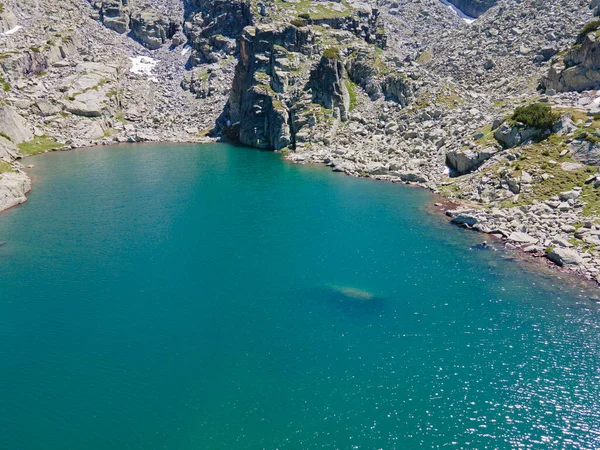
(354, 293)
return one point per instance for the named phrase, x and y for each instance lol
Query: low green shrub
(299, 23)
(536, 115)
(332, 53)
(589, 28)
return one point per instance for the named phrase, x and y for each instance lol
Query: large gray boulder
(151, 29)
(13, 187)
(8, 150)
(564, 257)
(514, 135)
(586, 152)
(14, 126)
(462, 162)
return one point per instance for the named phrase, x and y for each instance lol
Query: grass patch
(589, 28)
(5, 136)
(352, 90)
(488, 136)
(449, 98)
(425, 57)
(38, 145)
(536, 159)
(332, 53)
(5, 167)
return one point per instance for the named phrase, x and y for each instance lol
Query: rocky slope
(409, 91)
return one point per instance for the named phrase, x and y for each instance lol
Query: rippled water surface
(194, 297)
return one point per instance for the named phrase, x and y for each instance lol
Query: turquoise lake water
(195, 297)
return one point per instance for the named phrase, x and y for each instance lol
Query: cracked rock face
(579, 69)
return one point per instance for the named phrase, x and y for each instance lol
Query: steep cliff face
(473, 8)
(257, 113)
(327, 85)
(579, 69)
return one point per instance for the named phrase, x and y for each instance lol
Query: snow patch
(458, 12)
(185, 50)
(143, 65)
(12, 30)
(447, 171)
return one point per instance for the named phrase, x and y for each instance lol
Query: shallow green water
(188, 297)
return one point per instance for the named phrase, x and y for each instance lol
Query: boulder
(514, 135)
(8, 150)
(151, 29)
(14, 126)
(465, 219)
(564, 257)
(586, 152)
(13, 187)
(522, 238)
(579, 70)
(462, 162)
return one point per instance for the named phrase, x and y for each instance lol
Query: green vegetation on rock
(4, 166)
(589, 28)
(39, 145)
(352, 91)
(536, 115)
(332, 53)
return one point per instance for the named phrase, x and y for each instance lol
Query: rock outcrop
(513, 135)
(579, 69)
(13, 187)
(114, 14)
(13, 126)
(256, 114)
(212, 27)
(462, 162)
(152, 29)
(328, 86)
